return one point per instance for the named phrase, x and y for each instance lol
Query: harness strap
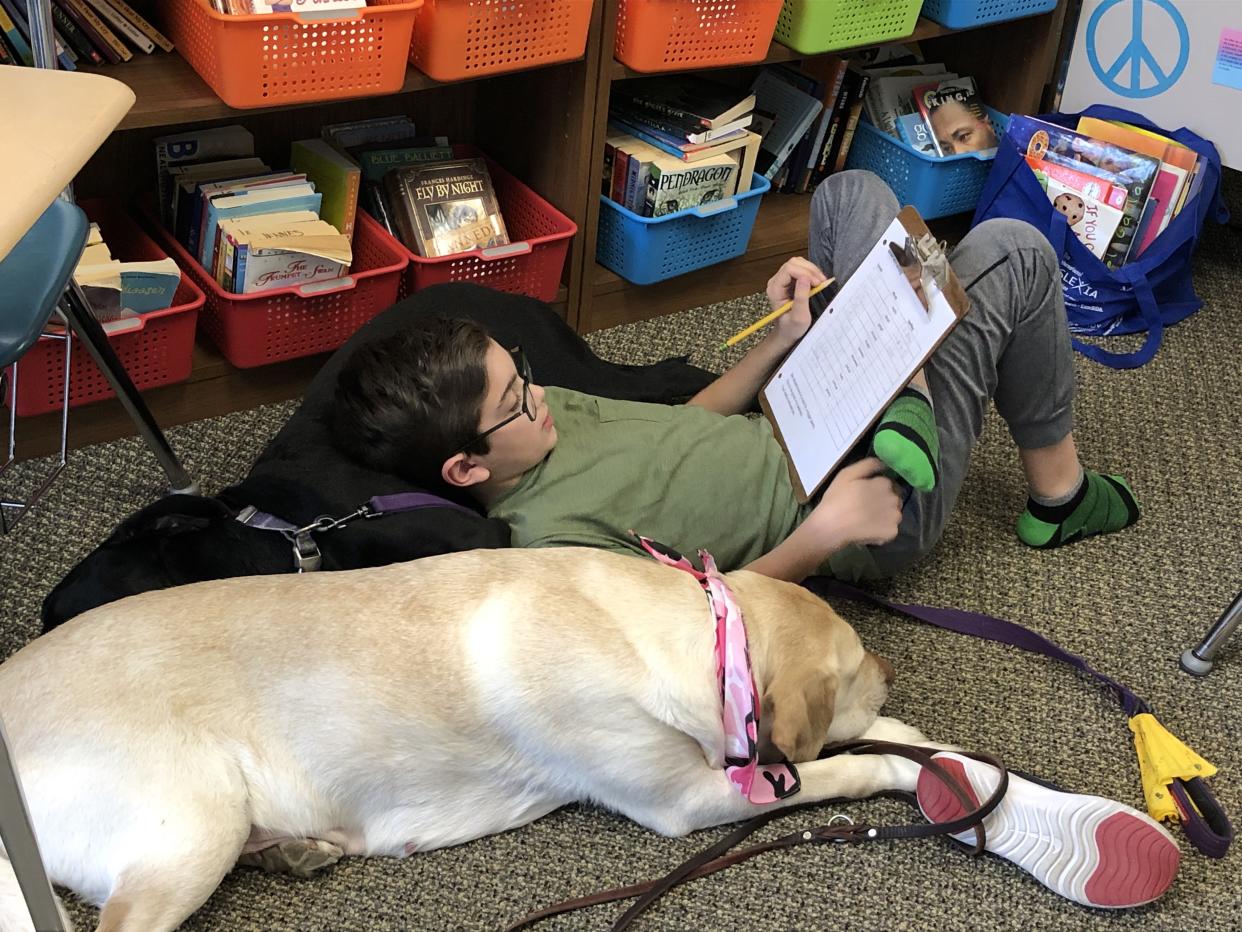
(716, 857)
(306, 554)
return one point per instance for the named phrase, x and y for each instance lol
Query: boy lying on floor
(446, 403)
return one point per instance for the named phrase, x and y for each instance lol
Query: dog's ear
(795, 717)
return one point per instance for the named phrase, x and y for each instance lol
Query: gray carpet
(1129, 603)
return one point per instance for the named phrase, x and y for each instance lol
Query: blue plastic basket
(935, 186)
(962, 14)
(650, 249)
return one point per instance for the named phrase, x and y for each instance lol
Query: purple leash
(1206, 824)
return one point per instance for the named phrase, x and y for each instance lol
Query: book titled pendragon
(445, 207)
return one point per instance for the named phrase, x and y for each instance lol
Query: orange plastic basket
(156, 348)
(672, 35)
(530, 264)
(456, 39)
(285, 58)
(285, 323)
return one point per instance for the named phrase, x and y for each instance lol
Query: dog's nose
(889, 671)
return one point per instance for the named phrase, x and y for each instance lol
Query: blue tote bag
(1151, 292)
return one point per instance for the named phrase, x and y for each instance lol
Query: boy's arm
(860, 506)
(734, 391)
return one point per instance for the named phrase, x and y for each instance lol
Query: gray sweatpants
(1012, 347)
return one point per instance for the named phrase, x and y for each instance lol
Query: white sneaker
(1089, 849)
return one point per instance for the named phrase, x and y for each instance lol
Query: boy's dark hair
(404, 403)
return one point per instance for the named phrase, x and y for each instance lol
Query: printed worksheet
(859, 354)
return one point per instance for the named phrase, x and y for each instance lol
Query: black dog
(303, 475)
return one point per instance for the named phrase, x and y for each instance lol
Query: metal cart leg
(1198, 660)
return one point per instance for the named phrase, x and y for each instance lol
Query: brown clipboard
(958, 302)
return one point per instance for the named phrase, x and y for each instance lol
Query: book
(361, 132)
(76, 37)
(952, 111)
(795, 110)
(15, 39)
(104, 38)
(830, 71)
(891, 95)
(205, 191)
(1059, 145)
(1176, 164)
(335, 176)
(200, 145)
(857, 83)
(122, 26)
(914, 133)
(694, 101)
(280, 250)
(377, 159)
(184, 181)
(858, 355)
(673, 185)
(290, 194)
(1092, 220)
(147, 29)
(446, 207)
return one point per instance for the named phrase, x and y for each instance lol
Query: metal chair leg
(22, 848)
(12, 512)
(88, 330)
(1198, 661)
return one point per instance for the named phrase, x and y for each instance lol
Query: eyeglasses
(528, 402)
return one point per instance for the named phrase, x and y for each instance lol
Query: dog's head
(817, 682)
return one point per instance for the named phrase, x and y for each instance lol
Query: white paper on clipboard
(856, 358)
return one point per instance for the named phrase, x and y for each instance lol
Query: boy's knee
(1010, 237)
(853, 187)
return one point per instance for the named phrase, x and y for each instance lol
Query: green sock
(907, 442)
(1100, 505)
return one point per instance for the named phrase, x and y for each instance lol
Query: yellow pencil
(764, 321)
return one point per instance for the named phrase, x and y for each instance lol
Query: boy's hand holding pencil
(789, 293)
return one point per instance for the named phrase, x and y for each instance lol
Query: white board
(1177, 62)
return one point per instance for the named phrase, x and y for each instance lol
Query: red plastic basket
(284, 58)
(285, 323)
(673, 35)
(156, 348)
(457, 39)
(530, 264)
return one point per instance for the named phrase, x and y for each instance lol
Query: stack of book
(434, 203)
(116, 289)
(935, 111)
(1117, 185)
(815, 109)
(89, 32)
(250, 227)
(677, 143)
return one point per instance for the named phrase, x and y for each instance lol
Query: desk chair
(53, 122)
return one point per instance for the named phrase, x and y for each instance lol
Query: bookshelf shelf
(924, 29)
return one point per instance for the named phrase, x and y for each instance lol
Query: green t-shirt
(681, 475)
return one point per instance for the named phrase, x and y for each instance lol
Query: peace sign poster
(1177, 62)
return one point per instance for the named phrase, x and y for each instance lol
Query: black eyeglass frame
(528, 404)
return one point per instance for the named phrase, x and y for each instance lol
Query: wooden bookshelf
(547, 127)
(1014, 60)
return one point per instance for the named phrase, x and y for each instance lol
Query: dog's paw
(301, 857)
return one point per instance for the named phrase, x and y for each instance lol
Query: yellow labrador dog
(405, 708)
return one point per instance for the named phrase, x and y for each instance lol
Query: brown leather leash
(716, 857)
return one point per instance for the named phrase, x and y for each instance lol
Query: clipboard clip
(924, 261)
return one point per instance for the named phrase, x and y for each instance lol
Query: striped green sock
(1101, 504)
(907, 442)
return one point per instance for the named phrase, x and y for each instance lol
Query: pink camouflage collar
(760, 783)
